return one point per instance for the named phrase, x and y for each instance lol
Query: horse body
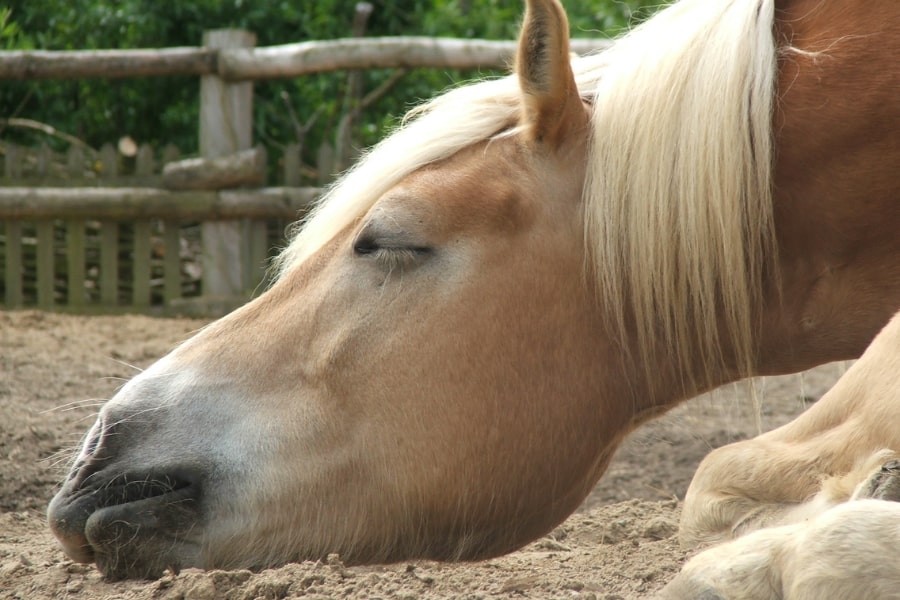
(465, 330)
(837, 134)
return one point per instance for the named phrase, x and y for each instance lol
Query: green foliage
(9, 29)
(165, 110)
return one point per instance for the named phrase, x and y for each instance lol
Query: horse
(814, 504)
(475, 316)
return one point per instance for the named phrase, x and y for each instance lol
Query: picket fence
(96, 232)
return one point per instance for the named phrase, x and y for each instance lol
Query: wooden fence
(87, 231)
(108, 240)
(97, 232)
(150, 263)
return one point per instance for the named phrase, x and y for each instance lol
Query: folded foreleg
(846, 553)
(810, 464)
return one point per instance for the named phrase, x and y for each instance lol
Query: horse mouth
(131, 526)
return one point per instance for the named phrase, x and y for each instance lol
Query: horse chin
(132, 527)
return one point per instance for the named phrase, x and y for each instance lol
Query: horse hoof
(884, 484)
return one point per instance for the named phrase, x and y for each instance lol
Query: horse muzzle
(133, 524)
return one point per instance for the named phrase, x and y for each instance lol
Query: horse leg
(754, 484)
(846, 553)
(842, 553)
(842, 447)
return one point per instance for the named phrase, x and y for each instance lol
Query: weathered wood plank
(128, 204)
(145, 162)
(256, 254)
(304, 58)
(75, 161)
(109, 161)
(171, 262)
(108, 64)
(13, 266)
(109, 263)
(45, 265)
(141, 265)
(12, 165)
(226, 117)
(290, 60)
(222, 262)
(246, 167)
(293, 163)
(75, 258)
(44, 160)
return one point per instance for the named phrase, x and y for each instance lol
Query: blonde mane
(678, 215)
(679, 206)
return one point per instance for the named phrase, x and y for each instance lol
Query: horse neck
(836, 208)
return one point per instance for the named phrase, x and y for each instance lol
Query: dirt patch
(55, 370)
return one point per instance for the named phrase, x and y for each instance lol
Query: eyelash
(396, 258)
(391, 257)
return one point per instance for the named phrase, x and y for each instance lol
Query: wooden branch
(107, 64)
(128, 204)
(342, 155)
(48, 129)
(376, 94)
(241, 168)
(273, 62)
(299, 130)
(294, 60)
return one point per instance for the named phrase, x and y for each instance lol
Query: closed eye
(393, 257)
(364, 246)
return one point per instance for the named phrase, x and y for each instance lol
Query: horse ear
(552, 107)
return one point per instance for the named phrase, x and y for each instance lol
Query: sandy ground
(55, 370)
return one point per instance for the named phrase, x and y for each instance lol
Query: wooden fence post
(226, 118)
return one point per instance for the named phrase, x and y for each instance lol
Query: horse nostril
(93, 438)
(89, 460)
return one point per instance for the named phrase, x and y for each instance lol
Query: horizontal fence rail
(111, 249)
(29, 65)
(272, 62)
(97, 245)
(125, 204)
